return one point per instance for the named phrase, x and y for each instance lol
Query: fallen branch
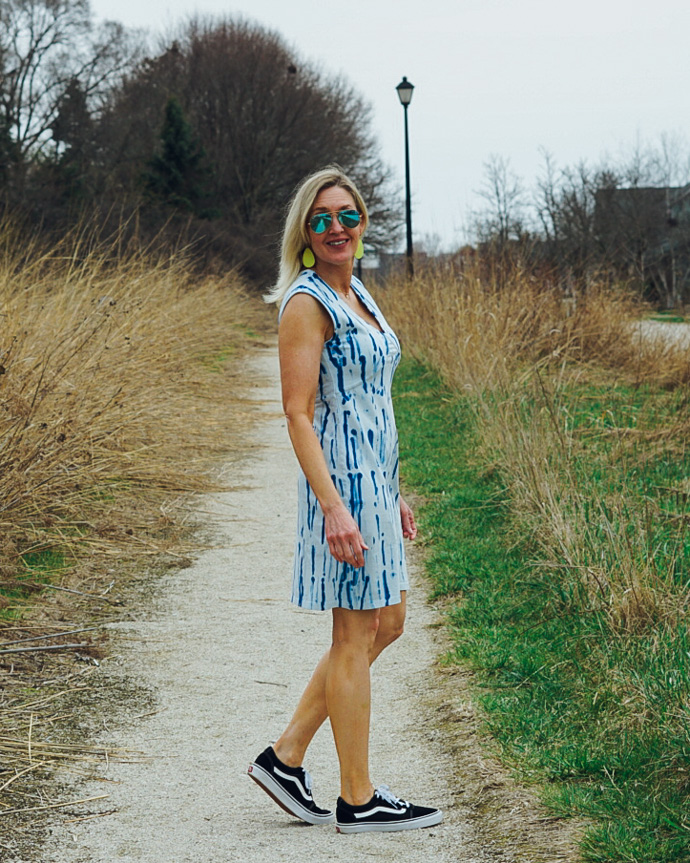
(54, 805)
(89, 817)
(54, 635)
(45, 647)
(82, 593)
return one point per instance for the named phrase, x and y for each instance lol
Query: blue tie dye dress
(353, 420)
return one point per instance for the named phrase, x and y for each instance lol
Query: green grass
(217, 361)
(668, 317)
(34, 572)
(598, 715)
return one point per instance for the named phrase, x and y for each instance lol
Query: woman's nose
(336, 227)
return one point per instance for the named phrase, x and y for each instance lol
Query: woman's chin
(340, 259)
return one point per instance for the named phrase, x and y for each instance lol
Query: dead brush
(34, 743)
(516, 348)
(480, 333)
(116, 403)
(105, 385)
(599, 547)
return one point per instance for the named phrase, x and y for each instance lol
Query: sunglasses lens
(320, 222)
(348, 218)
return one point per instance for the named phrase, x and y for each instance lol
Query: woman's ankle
(289, 755)
(357, 795)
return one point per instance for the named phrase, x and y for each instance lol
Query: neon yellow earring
(308, 258)
(360, 249)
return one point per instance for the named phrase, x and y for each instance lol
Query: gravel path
(226, 657)
(678, 333)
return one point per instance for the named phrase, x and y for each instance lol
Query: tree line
(628, 218)
(200, 141)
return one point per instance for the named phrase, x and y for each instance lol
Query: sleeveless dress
(353, 420)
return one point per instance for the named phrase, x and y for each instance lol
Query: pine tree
(177, 175)
(8, 156)
(73, 132)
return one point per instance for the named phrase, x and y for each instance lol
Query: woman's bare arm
(304, 327)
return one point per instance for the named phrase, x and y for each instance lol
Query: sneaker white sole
(283, 799)
(392, 826)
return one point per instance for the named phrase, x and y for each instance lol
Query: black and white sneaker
(290, 787)
(384, 813)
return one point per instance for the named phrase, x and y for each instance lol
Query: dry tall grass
(106, 384)
(516, 347)
(116, 401)
(476, 330)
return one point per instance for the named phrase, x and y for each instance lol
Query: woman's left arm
(409, 527)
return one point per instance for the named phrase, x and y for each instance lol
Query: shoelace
(386, 794)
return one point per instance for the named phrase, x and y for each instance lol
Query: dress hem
(347, 607)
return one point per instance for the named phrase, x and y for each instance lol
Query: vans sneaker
(290, 787)
(384, 813)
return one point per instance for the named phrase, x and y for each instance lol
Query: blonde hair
(295, 236)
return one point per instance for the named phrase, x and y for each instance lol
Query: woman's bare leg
(348, 698)
(312, 710)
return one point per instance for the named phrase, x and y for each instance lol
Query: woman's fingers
(409, 526)
(345, 542)
(351, 552)
(358, 553)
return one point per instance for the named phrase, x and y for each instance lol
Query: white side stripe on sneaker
(377, 809)
(303, 791)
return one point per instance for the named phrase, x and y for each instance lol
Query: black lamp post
(405, 89)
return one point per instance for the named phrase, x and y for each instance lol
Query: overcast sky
(506, 77)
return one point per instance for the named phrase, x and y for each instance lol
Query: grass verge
(588, 702)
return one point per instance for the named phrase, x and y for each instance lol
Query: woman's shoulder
(307, 282)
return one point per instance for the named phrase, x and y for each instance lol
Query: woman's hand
(409, 528)
(345, 542)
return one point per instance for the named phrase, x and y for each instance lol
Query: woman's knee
(392, 624)
(355, 628)
(390, 632)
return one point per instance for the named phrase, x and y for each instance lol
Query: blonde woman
(337, 359)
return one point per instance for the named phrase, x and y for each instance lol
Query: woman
(337, 358)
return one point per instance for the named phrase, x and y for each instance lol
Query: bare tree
(671, 161)
(46, 46)
(81, 114)
(264, 117)
(546, 201)
(565, 205)
(631, 217)
(505, 196)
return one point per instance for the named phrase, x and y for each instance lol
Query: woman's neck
(339, 278)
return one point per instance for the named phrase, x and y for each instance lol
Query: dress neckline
(378, 326)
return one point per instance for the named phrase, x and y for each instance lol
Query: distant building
(646, 232)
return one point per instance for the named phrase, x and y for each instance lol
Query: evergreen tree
(8, 156)
(177, 175)
(73, 125)
(73, 132)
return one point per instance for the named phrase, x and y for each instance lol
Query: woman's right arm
(304, 326)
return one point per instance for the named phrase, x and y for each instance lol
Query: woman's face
(336, 246)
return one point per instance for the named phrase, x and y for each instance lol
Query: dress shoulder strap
(362, 291)
(309, 283)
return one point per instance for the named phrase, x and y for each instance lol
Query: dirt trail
(678, 333)
(226, 658)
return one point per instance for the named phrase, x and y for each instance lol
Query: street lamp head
(405, 89)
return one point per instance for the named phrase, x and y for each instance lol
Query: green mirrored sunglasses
(321, 222)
